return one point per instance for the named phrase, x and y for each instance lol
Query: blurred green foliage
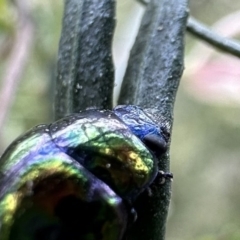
(6, 19)
(32, 104)
(205, 153)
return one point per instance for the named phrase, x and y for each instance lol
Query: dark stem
(204, 33)
(151, 81)
(85, 75)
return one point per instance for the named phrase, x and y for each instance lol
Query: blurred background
(205, 152)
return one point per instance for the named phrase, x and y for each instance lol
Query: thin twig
(17, 60)
(204, 33)
(201, 31)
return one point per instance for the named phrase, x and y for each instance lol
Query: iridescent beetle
(77, 178)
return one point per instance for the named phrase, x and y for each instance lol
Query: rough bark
(151, 81)
(85, 75)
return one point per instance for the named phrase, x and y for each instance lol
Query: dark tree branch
(151, 81)
(85, 76)
(224, 44)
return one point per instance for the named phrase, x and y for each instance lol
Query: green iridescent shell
(104, 145)
(45, 194)
(72, 179)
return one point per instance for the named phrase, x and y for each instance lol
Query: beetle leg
(163, 176)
